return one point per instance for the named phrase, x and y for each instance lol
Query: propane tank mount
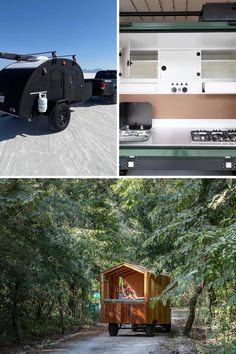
(42, 101)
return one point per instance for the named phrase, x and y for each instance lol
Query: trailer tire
(60, 117)
(113, 329)
(150, 330)
(134, 327)
(167, 327)
(113, 97)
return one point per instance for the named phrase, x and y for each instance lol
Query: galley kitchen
(177, 89)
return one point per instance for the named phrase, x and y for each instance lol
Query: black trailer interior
(33, 81)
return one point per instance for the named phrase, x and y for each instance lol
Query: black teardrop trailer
(36, 84)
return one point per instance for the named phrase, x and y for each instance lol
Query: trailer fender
(53, 104)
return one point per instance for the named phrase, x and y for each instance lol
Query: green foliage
(57, 235)
(186, 228)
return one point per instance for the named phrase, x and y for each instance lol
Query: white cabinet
(139, 71)
(144, 64)
(180, 64)
(169, 64)
(219, 64)
(138, 64)
(219, 71)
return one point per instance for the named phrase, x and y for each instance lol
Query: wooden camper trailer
(118, 310)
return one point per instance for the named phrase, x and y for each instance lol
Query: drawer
(138, 88)
(220, 87)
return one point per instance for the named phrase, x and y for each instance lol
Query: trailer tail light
(103, 85)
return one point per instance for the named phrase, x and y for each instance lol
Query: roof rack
(24, 57)
(68, 56)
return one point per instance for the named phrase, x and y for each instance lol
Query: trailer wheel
(113, 97)
(134, 327)
(60, 117)
(150, 330)
(113, 329)
(167, 327)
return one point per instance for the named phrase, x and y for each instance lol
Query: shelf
(144, 61)
(219, 70)
(143, 70)
(219, 60)
(218, 55)
(143, 55)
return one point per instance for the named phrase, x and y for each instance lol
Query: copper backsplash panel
(188, 106)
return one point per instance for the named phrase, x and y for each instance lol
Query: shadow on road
(94, 101)
(10, 127)
(175, 331)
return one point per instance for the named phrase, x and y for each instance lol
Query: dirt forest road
(133, 343)
(87, 147)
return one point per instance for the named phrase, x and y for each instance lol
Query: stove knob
(174, 89)
(184, 89)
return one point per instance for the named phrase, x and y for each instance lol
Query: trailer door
(70, 85)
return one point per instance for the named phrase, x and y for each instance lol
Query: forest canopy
(57, 235)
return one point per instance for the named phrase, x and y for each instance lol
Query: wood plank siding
(146, 285)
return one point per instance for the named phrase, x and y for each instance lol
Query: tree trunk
(192, 306)
(212, 301)
(14, 314)
(61, 314)
(72, 300)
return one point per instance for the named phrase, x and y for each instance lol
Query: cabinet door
(125, 61)
(180, 64)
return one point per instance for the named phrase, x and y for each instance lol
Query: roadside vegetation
(58, 234)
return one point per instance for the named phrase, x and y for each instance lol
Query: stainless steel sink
(134, 135)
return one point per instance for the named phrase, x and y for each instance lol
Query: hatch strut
(198, 14)
(160, 13)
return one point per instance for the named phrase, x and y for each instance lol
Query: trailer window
(56, 79)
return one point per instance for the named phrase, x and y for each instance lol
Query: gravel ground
(130, 342)
(87, 147)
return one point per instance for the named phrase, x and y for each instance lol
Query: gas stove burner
(232, 135)
(217, 136)
(134, 135)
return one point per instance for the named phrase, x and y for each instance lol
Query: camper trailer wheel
(167, 327)
(134, 327)
(113, 329)
(150, 330)
(60, 117)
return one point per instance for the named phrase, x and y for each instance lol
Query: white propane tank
(42, 102)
